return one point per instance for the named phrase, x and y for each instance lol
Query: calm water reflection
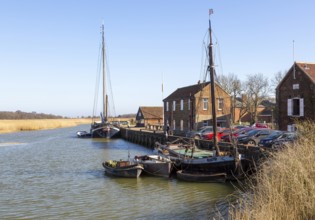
(54, 175)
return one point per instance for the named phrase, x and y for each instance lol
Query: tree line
(6, 115)
(252, 92)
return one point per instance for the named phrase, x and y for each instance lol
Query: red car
(220, 132)
(227, 137)
(260, 125)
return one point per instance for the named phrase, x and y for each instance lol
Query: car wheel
(252, 143)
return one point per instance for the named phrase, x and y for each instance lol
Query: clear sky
(49, 48)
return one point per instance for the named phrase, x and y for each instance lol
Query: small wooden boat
(203, 177)
(123, 168)
(83, 134)
(155, 165)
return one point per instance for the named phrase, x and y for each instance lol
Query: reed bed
(7, 126)
(284, 186)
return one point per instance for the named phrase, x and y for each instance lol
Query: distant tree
(231, 84)
(256, 88)
(275, 81)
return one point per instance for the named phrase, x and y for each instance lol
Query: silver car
(198, 134)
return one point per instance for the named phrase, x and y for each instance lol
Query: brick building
(295, 95)
(149, 115)
(190, 107)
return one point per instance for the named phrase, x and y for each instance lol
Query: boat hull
(129, 171)
(83, 134)
(201, 177)
(216, 164)
(104, 131)
(155, 165)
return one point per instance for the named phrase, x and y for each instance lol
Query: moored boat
(230, 165)
(155, 165)
(123, 168)
(182, 149)
(83, 134)
(103, 128)
(203, 177)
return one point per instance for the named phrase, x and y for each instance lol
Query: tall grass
(284, 186)
(7, 126)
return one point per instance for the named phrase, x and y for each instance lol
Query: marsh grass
(7, 126)
(284, 186)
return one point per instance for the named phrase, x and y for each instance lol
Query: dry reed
(7, 126)
(284, 186)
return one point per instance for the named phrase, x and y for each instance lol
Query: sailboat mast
(213, 98)
(104, 80)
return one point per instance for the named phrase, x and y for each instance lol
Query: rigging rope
(97, 82)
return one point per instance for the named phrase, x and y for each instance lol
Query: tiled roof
(308, 69)
(151, 112)
(185, 92)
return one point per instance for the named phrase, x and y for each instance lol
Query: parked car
(235, 134)
(198, 134)
(209, 135)
(260, 125)
(238, 127)
(253, 136)
(269, 140)
(284, 140)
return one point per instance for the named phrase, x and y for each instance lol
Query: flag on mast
(210, 11)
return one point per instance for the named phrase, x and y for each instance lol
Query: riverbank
(8, 126)
(284, 187)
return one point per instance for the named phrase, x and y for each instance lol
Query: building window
(220, 104)
(174, 125)
(174, 105)
(205, 104)
(205, 123)
(182, 105)
(296, 107)
(167, 106)
(296, 86)
(181, 125)
(188, 104)
(292, 128)
(139, 114)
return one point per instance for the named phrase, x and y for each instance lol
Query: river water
(52, 174)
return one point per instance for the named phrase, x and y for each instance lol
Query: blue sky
(49, 48)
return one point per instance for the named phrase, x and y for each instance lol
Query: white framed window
(296, 86)
(139, 114)
(296, 107)
(167, 106)
(181, 104)
(181, 125)
(220, 104)
(291, 128)
(174, 125)
(205, 103)
(188, 104)
(174, 105)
